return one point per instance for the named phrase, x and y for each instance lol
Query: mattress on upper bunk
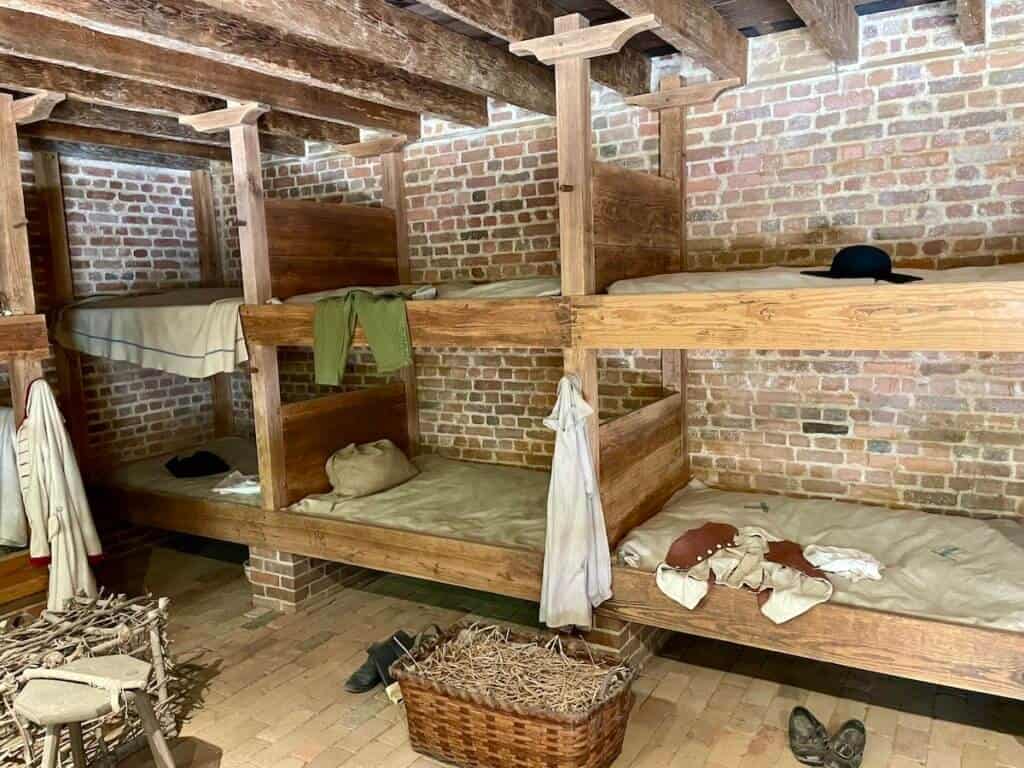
(193, 332)
(486, 503)
(952, 569)
(517, 288)
(152, 476)
(791, 278)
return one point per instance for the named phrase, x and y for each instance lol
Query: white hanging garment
(13, 525)
(62, 530)
(577, 563)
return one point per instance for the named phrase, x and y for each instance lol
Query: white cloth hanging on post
(577, 563)
(62, 531)
(13, 525)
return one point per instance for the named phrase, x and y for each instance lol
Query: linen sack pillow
(361, 470)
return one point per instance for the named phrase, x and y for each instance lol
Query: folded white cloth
(236, 482)
(744, 565)
(852, 564)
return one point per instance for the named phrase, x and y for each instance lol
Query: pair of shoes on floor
(811, 745)
(380, 656)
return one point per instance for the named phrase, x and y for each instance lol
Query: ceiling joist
(834, 25)
(628, 71)
(195, 28)
(37, 37)
(101, 137)
(696, 30)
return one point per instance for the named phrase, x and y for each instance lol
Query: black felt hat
(862, 261)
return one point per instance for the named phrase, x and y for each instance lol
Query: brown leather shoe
(808, 739)
(846, 748)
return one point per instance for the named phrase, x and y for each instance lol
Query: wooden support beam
(374, 147)
(587, 43)
(60, 132)
(15, 264)
(223, 119)
(834, 25)
(212, 274)
(84, 87)
(48, 182)
(376, 30)
(972, 20)
(23, 337)
(696, 30)
(38, 37)
(38, 106)
(198, 29)
(683, 96)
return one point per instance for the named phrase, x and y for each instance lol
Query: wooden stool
(55, 703)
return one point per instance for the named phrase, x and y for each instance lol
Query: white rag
(852, 564)
(13, 525)
(743, 565)
(236, 482)
(577, 562)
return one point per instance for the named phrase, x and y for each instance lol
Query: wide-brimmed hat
(862, 261)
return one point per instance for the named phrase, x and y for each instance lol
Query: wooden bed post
(240, 120)
(575, 205)
(212, 274)
(394, 198)
(15, 264)
(68, 361)
(672, 146)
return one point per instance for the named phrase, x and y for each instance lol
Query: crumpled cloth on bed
(383, 320)
(237, 483)
(852, 564)
(744, 564)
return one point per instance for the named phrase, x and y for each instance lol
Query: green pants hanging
(383, 320)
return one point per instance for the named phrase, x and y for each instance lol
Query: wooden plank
(512, 323)
(834, 25)
(317, 246)
(501, 570)
(683, 96)
(972, 16)
(672, 162)
(24, 336)
(70, 384)
(112, 154)
(231, 116)
(315, 429)
(212, 274)
(587, 43)
(625, 439)
(37, 37)
(198, 29)
(957, 655)
(697, 30)
(374, 147)
(263, 370)
(375, 30)
(38, 106)
(628, 72)
(61, 132)
(19, 579)
(964, 317)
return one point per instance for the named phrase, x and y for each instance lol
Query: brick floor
(273, 698)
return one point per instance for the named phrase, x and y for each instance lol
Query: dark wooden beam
(376, 30)
(696, 30)
(192, 27)
(38, 37)
(628, 72)
(834, 25)
(81, 85)
(112, 154)
(972, 16)
(75, 134)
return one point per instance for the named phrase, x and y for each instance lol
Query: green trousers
(383, 320)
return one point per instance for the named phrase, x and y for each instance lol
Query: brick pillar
(632, 643)
(285, 582)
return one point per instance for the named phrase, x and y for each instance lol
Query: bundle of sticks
(101, 626)
(519, 672)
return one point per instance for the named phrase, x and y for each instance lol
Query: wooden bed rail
(643, 462)
(24, 337)
(314, 429)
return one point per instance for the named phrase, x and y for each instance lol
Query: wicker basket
(475, 730)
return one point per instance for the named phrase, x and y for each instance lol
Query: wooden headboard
(314, 429)
(637, 224)
(318, 246)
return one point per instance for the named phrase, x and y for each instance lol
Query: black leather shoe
(808, 739)
(846, 749)
(387, 653)
(366, 678)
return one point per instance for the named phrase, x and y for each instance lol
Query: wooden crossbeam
(376, 30)
(696, 30)
(38, 37)
(199, 29)
(972, 16)
(587, 43)
(374, 147)
(223, 119)
(834, 25)
(628, 71)
(50, 131)
(683, 96)
(38, 106)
